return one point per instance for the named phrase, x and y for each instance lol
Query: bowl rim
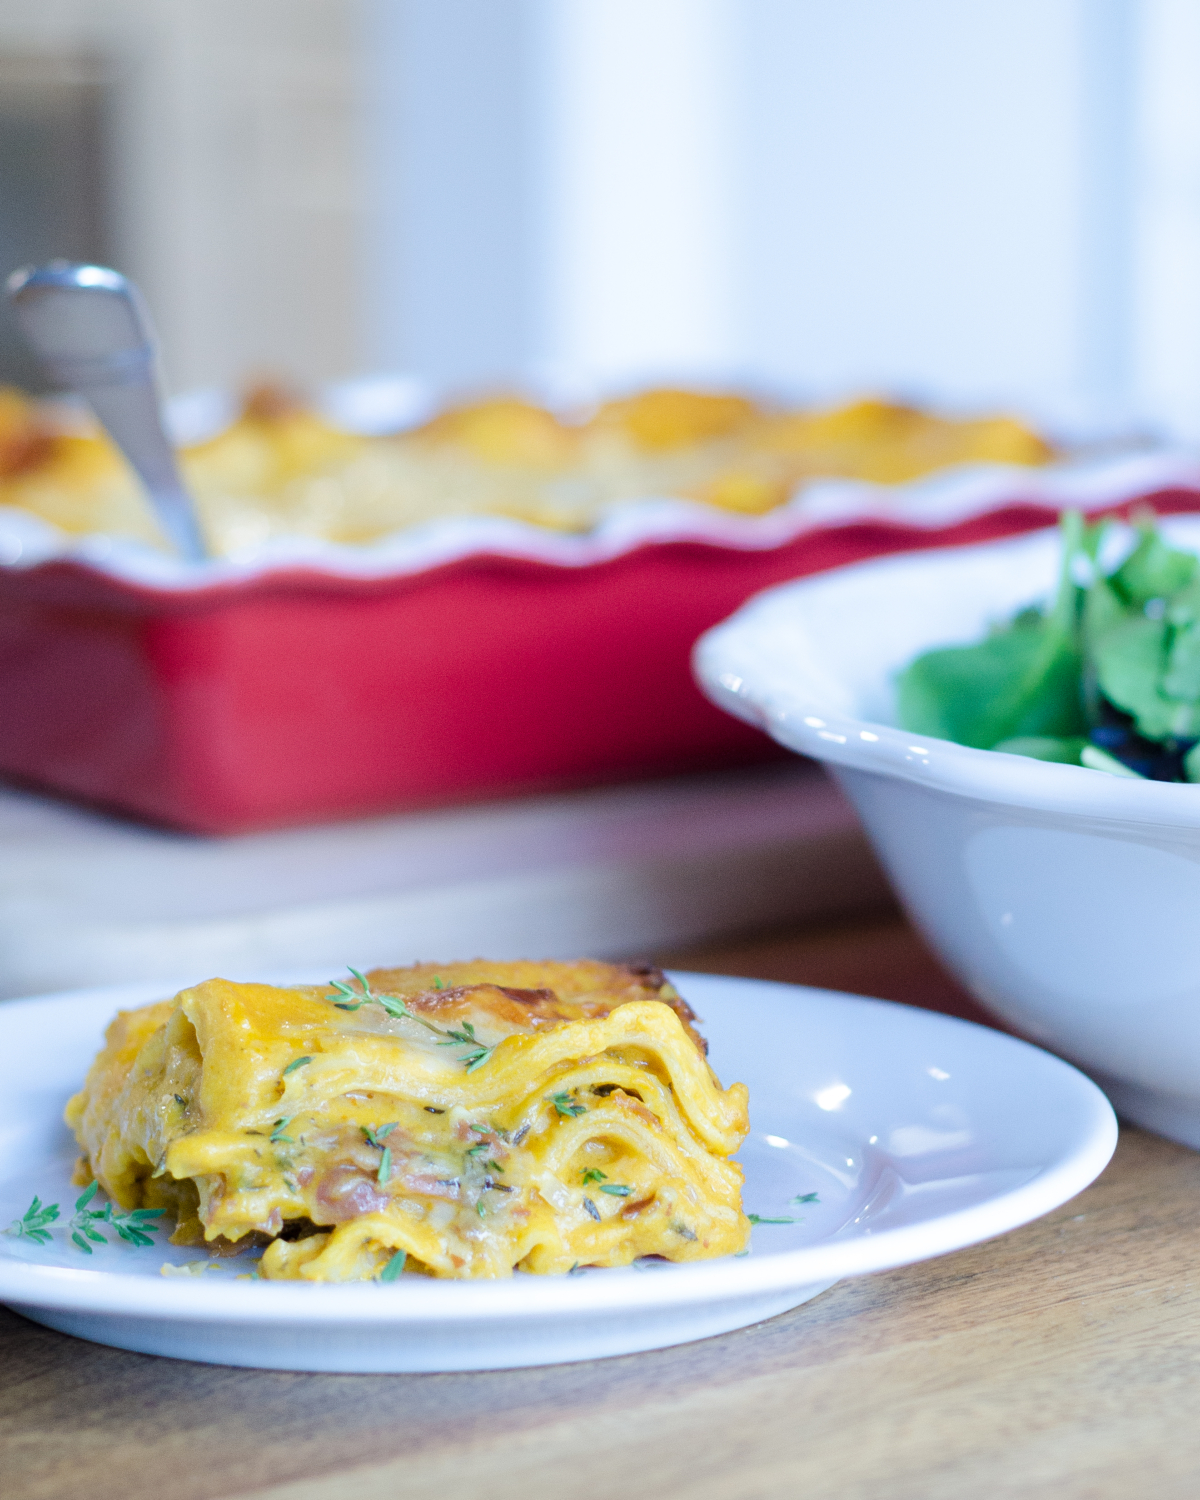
(735, 674)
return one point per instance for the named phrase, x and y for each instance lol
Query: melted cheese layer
(478, 1117)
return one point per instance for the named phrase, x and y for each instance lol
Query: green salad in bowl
(1106, 676)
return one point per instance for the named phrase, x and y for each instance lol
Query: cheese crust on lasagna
(461, 1120)
(281, 469)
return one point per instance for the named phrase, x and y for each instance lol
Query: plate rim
(450, 1303)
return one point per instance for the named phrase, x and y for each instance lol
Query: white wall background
(997, 201)
(974, 200)
(1165, 216)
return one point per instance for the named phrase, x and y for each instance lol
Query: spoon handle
(90, 327)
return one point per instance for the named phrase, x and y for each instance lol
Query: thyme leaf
(806, 1198)
(617, 1189)
(32, 1223)
(758, 1219)
(375, 1137)
(299, 1062)
(277, 1130)
(594, 1174)
(82, 1222)
(394, 1266)
(567, 1106)
(385, 1166)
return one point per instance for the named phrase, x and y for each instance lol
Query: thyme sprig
(594, 1174)
(32, 1225)
(478, 1052)
(566, 1106)
(135, 1225)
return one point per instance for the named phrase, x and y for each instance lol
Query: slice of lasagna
(464, 1119)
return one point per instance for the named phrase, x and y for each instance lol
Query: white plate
(919, 1133)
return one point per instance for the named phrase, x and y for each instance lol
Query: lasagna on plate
(457, 1120)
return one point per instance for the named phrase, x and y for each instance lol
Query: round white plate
(919, 1134)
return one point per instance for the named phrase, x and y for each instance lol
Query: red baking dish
(297, 694)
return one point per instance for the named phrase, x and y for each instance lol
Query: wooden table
(1062, 1359)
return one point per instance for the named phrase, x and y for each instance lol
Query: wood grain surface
(1062, 1360)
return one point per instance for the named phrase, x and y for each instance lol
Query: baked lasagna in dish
(461, 1120)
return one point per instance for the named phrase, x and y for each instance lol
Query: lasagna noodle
(478, 1117)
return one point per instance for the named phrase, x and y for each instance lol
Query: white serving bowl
(1066, 900)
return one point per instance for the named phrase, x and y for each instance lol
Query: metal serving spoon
(90, 327)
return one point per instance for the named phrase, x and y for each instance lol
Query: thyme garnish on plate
(82, 1223)
(32, 1223)
(135, 1225)
(785, 1219)
(352, 999)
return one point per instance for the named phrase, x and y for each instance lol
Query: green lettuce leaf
(1045, 747)
(1022, 681)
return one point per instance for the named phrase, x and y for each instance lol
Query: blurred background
(994, 203)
